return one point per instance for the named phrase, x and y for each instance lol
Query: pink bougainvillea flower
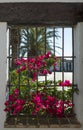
(21, 69)
(6, 103)
(19, 102)
(45, 71)
(49, 72)
(39, 102)
(38, 64)
(7, 109)
(55, 58)
(34, 76)
(17, 109)
(12, 97)
(18, 62)
(65, 83)
(36, 100)
(16, 91)
(31, 60)
(62, 83)
(48, 54)
(41, 57)
(44, 63)
(24, 60)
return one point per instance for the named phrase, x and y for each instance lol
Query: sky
(67, 42)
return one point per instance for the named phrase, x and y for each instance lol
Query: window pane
(58, 42)
(68, 76)
(33, 69)
(49, 39)
(58, 76)
(67, 41)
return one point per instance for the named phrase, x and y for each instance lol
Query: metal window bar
(45, 53)
(18, 55)
(36, 29)
(63, 65)
(73, 68)
(54, 54)
(62, 57)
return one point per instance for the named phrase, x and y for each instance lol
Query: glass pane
(68, 76)
(10, 51)
(40, 32)
(41, 78)
(49, 39)
(50, 76)
(23, 52)
(67, 41)
(58, 76)
(68, 65)
(58, 42)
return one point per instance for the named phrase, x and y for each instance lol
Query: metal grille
(30, 42)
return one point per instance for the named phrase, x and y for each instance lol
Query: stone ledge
(41, 122)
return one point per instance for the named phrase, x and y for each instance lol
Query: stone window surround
(78, 31)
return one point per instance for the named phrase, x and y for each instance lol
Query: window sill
(41, 122)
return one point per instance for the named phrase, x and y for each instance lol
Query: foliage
(28, 95)
(36, 40)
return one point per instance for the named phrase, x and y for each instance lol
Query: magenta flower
(7, 103)
(18, 62)
(7, 109)
(21, 69)
(44, 63)
(45, 71)
(24, 60)
(34, 76)
(31, 60)
(41, 57)
(17, 109)
(48, 54)
(19, 102)
(40, 101)
(65, 83)
(16, 91)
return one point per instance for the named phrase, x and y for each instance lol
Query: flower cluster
(14, 104)
(65, 83)
(39, 65)
(31, 97)
(39, 103)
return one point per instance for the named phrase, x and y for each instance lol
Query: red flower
(45, 71)
(7, 109)
(48, 54)
(17, 109)
(65, 83)
(7, 103)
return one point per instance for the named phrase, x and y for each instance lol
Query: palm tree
(36, 40)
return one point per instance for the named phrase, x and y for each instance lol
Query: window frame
(73, 57)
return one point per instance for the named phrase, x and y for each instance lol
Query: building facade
(78, 49)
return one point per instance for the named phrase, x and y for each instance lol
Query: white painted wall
(79, 70)
(3, 56)
(2, 1)
(78, 74)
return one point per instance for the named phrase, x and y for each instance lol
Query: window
(41, 76)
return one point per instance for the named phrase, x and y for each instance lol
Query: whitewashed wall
(79, 70)
(41, 1)
(78, 74)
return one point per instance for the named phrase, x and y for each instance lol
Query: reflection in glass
(58, 42)
(67, 41)
(58, 76)
(68, 76)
